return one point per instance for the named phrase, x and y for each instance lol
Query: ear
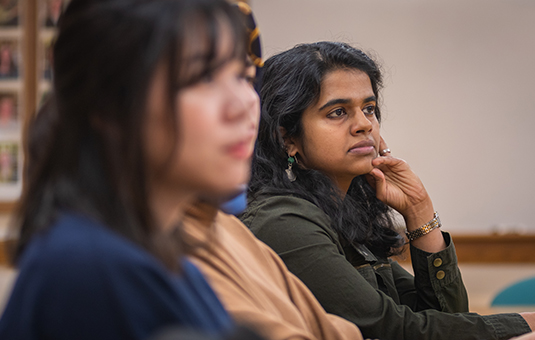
(291, 144)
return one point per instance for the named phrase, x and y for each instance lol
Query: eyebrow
(333, 102)
(345, 101)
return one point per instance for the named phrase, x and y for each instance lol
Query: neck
(168, 207)
(342, 184)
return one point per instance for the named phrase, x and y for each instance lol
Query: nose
(361, 123)
(243, 102)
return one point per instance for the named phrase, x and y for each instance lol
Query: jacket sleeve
(296, 231)
(436, 284)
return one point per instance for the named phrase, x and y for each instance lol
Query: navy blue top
(80, 280)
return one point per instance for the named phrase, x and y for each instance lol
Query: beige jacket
(253, 282)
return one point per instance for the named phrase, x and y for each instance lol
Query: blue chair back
(521, 293)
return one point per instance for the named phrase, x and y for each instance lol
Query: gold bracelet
(425, 229)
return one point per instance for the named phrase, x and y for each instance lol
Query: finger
(380, 183)
(388, 161)
(383, 148)
(377, 175)
(371, 180)
(382, 144)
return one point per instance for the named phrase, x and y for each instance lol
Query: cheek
(197, 130)
(201, 158)
(376, 135)
(254, 103)
(254, 115)
(321, 146)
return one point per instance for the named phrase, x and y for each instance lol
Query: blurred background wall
(459, 97)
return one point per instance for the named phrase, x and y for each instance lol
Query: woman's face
(217, 127)
(340, 131)
(219, 123)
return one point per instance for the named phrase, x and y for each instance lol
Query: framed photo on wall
(9, 13)
(10, 170)
(10, 117)
(9, 59)
(52, 10)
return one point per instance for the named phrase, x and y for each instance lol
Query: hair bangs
(215, 38)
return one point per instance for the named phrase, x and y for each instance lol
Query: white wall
(459, 96)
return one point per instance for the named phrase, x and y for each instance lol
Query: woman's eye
(336, 113)
(249, 79)
(369, 110)
(249, 75)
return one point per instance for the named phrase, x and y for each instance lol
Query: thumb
(370, 179)
(377, 177)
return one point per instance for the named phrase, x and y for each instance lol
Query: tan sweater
(253, 282)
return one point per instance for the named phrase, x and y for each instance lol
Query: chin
(363, 170)
(221, 195)
(225, 186)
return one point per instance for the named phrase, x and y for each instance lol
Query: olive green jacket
(375, 293)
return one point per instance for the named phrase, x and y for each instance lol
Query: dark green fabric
(377, 294)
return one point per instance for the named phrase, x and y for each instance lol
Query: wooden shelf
(4, 259)
(483, 249)
(509, 248)
(7, 207)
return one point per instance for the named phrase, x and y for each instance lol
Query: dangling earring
(289, 172)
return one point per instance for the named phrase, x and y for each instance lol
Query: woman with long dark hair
(151, 108)
(322, 189)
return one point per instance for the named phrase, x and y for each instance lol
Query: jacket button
(440, 274)
(437, 262)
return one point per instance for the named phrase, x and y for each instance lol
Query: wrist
(418, 215)
(424, 229)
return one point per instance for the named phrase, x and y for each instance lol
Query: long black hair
(90, 157)
(291, 83)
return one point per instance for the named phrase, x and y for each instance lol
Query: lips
(362, 147)
(243, 148)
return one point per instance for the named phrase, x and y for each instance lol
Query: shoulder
(82, 259)
(234, 236)
(122, 287)
(267, 210)
(80, 255)
(284, 221)
(74, 242)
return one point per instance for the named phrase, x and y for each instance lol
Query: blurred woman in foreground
(151, 108)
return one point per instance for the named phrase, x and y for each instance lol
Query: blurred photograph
(9, 119)
(8, 60)
(8, 162)
(46, 59)
(9, 13)
(54, 8)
